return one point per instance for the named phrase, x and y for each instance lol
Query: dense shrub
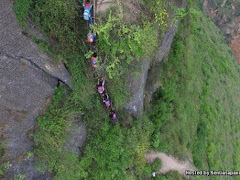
(21, 8)
(58, 20)
(121, 44)
(191, 108)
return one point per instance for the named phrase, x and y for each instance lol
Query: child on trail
(100, 84)
(106, 100)
(113, 116)
(87, 11)
(91, 37)
(94, 60)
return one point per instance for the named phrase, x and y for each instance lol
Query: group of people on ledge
(91, 38)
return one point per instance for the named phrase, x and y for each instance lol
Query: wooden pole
(94, 10)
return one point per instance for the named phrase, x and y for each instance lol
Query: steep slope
(185, 120)
(196, 111)
(14, 42)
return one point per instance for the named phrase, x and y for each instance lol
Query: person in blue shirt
(87, 11)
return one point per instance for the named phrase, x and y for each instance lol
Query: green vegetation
(160, 12)
(120, 48)
(156, 165)
(21, 8)
(109, 150)
(4, 167)
(58, 19)
(19, 177)
(195, 112)
(121, 44)
(180, 13)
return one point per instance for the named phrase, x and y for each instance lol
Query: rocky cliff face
(226, 15)
(28, 78)
(23, 92)
(142, 85)
(14, 42)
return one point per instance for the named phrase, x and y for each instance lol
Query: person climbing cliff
(91, 37)
(100, 85)
(87, 11)
(94, 60)
(106, 100)
(113, 116)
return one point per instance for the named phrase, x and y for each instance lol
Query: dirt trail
(103, 5)
(170, 163)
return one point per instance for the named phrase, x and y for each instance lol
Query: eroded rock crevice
(16, 44)
(29, 62)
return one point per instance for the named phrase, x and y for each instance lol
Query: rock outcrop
(28, 78)
(77, 135)
(14, 42)
(24, 90)
(137, 84)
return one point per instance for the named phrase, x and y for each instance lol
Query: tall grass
(196, 111)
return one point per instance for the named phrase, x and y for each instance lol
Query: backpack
(86, 14)
(100, 89)
(94, 63)
(107, 103)
(90, 37)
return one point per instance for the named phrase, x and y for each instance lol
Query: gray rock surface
(167, 42)
(14, 42)
(147, 79)
(77, 136)
(23, 91)
(137, 85)
(153, 81)
(27, 79)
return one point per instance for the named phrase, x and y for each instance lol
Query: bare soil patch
(170, 163)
